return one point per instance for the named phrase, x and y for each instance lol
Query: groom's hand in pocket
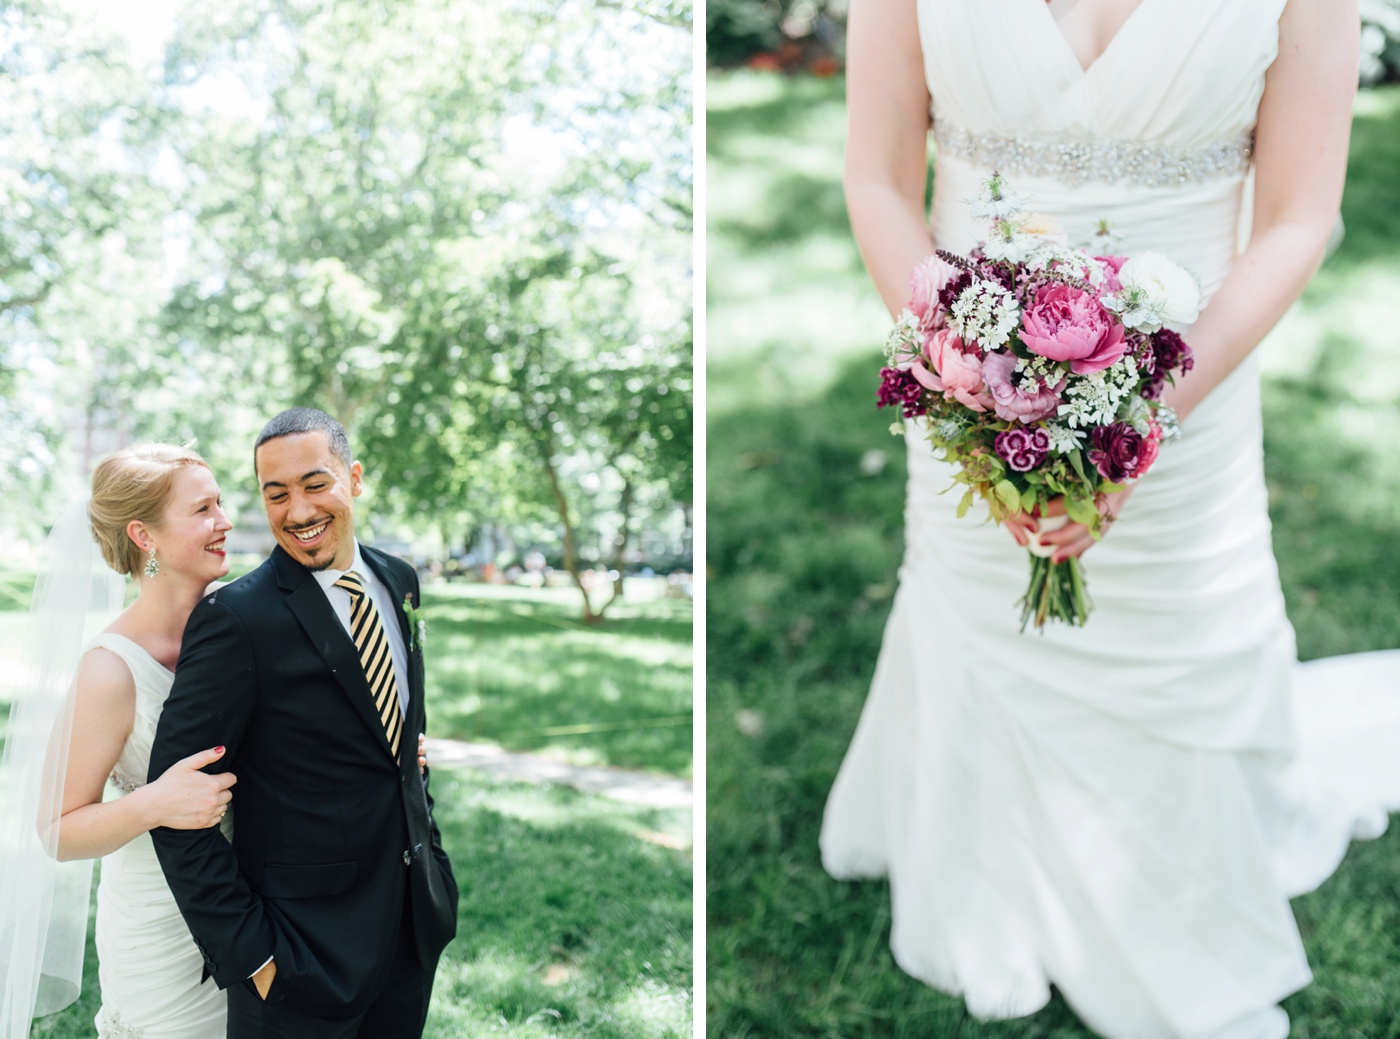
(262, 980)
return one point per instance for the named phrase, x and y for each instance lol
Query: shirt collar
(326, 578)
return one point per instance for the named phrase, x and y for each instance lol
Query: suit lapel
(308, 603)
(400, 590)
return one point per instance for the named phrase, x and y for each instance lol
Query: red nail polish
(218, 750)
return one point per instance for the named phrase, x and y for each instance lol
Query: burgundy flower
(1168, 351)
(899, 388)
(1023, 449)
(949, 293)
(1118, 452)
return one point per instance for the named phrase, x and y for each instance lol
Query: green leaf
(1010, 497)
(1081, 510)
(1076, 459)
(964, 505)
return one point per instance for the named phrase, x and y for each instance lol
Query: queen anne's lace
(110, 1026)
(1075, 156)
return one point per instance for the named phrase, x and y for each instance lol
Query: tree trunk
(570, 559)
(623, 534)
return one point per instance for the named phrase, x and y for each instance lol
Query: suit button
(406, 857)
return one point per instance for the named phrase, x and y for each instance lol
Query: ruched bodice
(1181, 73)
(1121, 809)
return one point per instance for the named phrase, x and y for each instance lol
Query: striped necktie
(373, 644)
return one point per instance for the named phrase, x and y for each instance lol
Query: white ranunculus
(1167, 289)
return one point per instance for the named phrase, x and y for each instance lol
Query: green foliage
(374, 208)
(806, 489)
(1380, 40)
(737, 30)
(515, 667)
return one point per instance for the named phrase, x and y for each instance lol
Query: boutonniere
(417, 626)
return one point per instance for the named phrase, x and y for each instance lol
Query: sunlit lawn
(517, 667)
(806, 492)
(574, 920)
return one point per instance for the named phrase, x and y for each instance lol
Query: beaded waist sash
(1076, 156)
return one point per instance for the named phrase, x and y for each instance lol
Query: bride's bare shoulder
(104, 678)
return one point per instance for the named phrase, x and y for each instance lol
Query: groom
(325, 917)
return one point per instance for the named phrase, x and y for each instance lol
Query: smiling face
(189, 538)
(308, 494)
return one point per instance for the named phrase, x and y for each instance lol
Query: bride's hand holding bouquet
(1038, 371)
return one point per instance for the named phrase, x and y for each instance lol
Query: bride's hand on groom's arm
(185, 798)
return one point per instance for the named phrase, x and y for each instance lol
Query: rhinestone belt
(1076, 156)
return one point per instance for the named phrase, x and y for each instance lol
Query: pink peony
(1111, 266)
(959, 373)
(926, 282)
(1068, 324)
(1010, 401)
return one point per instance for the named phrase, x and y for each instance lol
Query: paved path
(620, 784)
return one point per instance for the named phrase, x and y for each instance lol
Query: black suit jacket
(330, 834)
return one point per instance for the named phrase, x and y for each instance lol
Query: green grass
(574, 923)
(576, 911)
(806, 492)
(516, 667)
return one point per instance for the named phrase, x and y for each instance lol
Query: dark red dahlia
(1117, 452)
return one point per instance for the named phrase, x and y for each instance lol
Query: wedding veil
(43, 902)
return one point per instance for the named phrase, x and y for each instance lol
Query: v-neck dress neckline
(1064, 46)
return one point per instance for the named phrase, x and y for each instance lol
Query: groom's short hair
(305, 420)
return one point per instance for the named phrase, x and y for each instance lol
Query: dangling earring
(152, 567)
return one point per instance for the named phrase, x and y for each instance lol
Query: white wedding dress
(1124, 809)
(148, 965)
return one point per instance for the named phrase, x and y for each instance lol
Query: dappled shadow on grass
(570, 924)
(805, 535)
(797, 204)
(1371, 204)
(729, 127)
(15, 589)
(1332, 494)
(516, 671)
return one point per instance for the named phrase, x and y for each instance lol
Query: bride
(1124, 809)
(156, 515)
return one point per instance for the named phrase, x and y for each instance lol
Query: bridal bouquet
(1038, 370)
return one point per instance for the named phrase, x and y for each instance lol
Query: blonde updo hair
(133, 484)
